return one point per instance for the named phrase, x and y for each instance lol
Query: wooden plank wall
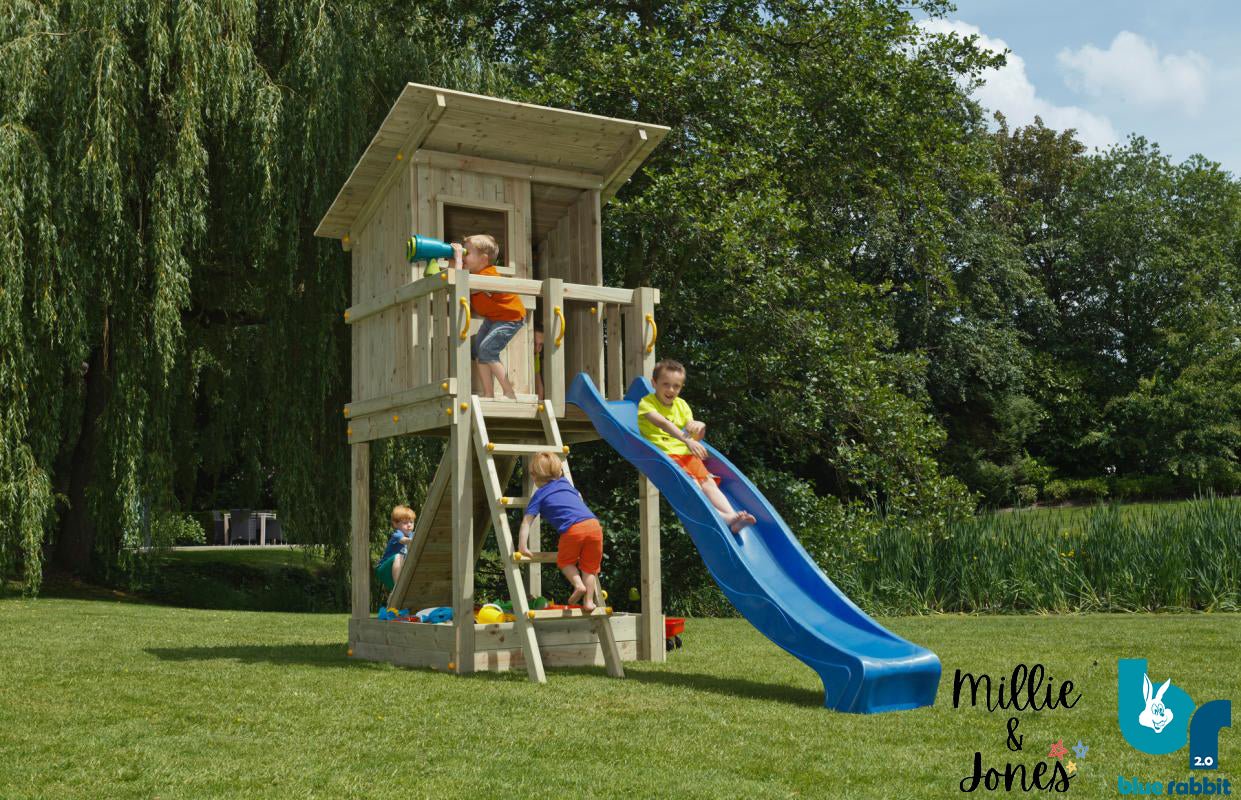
(383, 344)
(392, 351)
(572, 251)
(435, 182)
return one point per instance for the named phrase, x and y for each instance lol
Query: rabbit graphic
(1156, 715)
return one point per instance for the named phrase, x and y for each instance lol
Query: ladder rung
(514, 502)
(524, 449)
(568, 613)
(538, 558)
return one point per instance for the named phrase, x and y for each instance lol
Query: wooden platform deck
(510, 420)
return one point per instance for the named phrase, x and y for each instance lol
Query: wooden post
(641, 362)
(554, 321)
(535, 583)
(463, 554)
(360, 523)
(615, 388)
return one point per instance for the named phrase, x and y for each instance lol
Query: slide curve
(769, 577)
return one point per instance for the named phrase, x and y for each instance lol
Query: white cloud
(1132, 69)
(1009, 91)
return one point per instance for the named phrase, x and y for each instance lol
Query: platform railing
(607, 332)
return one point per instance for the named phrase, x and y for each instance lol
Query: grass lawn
(122, 700)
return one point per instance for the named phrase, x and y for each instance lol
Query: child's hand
(457, 252)
(696, 429)
(696, 448)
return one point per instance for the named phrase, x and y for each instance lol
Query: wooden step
(535, 558)
(568, 613)
(514, 502)
(498, 449)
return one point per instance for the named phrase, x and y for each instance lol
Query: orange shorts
(694, 467)
(581, 544)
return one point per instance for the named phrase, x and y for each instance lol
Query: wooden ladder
(512, 561)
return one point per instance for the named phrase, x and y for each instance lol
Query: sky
(1168, 70)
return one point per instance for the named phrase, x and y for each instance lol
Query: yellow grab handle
(465, 329)
(650, 346)
(560, 316)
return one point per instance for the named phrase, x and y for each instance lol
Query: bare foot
(575, 597)
(588, 606)
(740, 520)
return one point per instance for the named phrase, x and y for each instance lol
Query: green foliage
(173, 530)
(170, 334)
(885, 308)
(1090, 490)
(1056, 491)
(249, 580)
(1145, 487)
(786, 227)
(1109, 558)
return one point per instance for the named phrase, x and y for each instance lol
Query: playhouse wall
(388, 356)
(572, 251)
(382, 344)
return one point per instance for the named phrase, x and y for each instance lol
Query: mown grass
(111, 700)
(1108, 558)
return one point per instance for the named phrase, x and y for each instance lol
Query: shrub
(994, 483)
(174, 530)
(1146, 487)
(1030, 471)
(1056, 491)
(1088, 489)
(1026, 494)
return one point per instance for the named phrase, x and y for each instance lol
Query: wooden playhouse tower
(449, 164)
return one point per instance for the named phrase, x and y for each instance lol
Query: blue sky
(1170, 71)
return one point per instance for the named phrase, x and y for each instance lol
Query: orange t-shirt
(500, 306)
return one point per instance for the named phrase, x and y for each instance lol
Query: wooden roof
(557, 147)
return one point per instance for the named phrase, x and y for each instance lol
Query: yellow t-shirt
(678, 414)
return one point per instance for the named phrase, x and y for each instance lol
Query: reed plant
(1172, 557)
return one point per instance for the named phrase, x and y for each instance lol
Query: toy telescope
(424, 248)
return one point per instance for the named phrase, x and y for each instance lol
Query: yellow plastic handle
(650, 346)
(560, 316)
(465, 329)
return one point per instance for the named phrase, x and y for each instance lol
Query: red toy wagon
(673, 628)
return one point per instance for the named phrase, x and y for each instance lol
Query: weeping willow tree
(169, 328)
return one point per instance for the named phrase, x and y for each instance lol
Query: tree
(167, 317)
(792, 218)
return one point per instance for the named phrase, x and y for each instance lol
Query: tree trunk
(76, 542)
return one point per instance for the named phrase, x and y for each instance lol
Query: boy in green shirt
(666, 420)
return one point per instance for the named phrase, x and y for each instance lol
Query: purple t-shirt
(559, 504)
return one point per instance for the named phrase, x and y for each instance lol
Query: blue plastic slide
(766, 573)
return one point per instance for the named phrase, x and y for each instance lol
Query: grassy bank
(244, 578)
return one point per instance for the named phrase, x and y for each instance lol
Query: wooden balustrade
(603, 331)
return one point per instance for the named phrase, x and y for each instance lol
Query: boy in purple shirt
(579, 551)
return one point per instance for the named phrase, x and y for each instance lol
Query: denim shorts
(491, 339)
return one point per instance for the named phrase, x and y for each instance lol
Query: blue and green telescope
(424, 248)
